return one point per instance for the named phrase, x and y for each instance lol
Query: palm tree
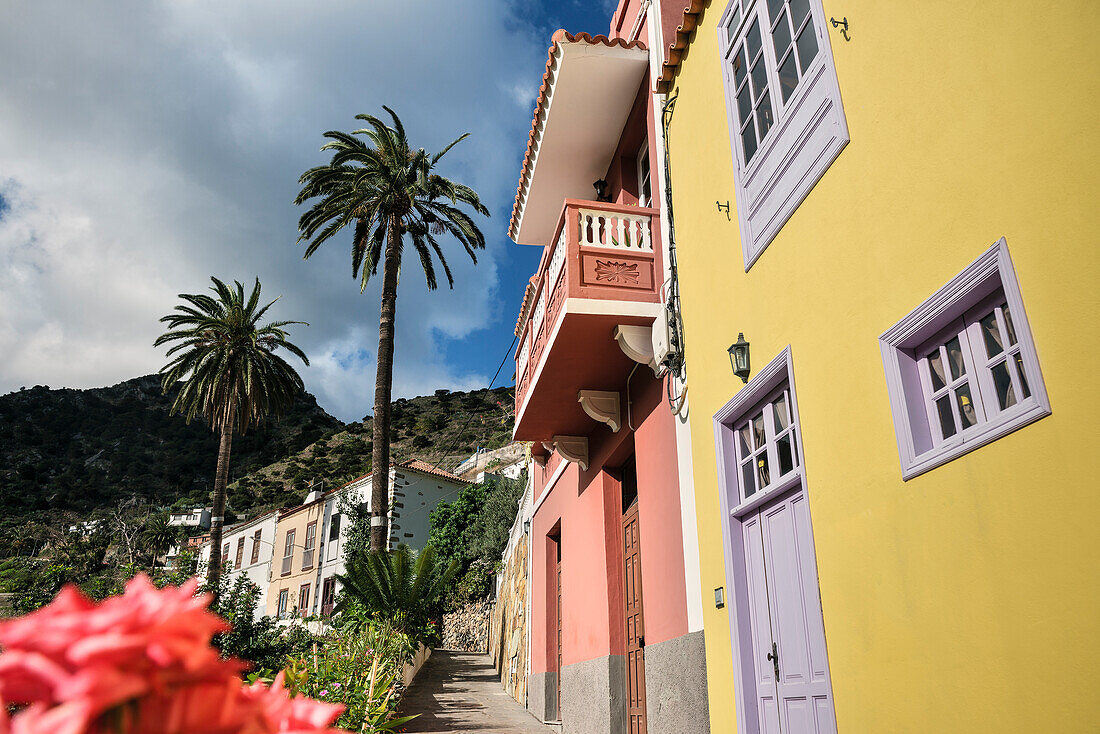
(389, 193)
(158, 534)
(229, 374)
(404, 590)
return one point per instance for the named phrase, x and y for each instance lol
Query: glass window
(985, 373)
(767, 444)
(786, 118)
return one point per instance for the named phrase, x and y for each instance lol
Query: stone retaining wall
(508, 631)
(468, 628)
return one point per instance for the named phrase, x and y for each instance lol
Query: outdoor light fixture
(719, 598)
(739, 357)
(601, 190)
(527, 526)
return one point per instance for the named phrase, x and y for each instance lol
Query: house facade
(297, 558)
(889, 415)
(416, 488)
(615, 621)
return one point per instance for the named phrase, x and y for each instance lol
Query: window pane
(762, 470)
(748, 141)
(786, 458)
(781, 37)
(1021, 374)
(994, 343)
(739, 67)
(779, 408)
(799, 10)
(731, 26)
(758, 431)
(807, 46)
(743, 440)
(753, 39)
(764, 117)
(947, 423)
(744, 104)
(759, 78)
(748, 484)
(955, 359)
(935, 370)
(775, 7)
(967, 416)
(1006, 395)
(788, 76)
(1008, 326)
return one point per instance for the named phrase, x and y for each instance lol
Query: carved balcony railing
(600, 251)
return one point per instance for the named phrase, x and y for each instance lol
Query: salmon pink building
(616, 618)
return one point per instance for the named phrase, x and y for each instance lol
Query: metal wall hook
(842, 22)
(724, 207)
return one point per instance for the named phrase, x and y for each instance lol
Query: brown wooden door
(557, 575)
(635, 624)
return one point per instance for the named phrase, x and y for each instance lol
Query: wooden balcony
(602, 269)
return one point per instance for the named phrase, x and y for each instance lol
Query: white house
(193, 517)
(247, 548)
(416, 488)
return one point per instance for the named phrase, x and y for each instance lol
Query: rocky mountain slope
(79, 451)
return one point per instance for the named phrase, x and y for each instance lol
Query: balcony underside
(584, 356)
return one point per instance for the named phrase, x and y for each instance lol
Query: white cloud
(145, 146)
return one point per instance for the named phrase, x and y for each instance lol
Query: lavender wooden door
(790, 665)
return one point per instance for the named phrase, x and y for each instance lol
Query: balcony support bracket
(637, 343)
(573, 448)
(601, 406)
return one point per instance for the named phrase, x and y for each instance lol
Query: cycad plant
(400, 587)
(229, 373)
(388, 192)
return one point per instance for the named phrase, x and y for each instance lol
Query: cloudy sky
(146, 145)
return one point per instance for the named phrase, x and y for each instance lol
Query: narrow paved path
(460, 692)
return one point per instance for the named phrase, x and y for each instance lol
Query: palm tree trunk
(383, 387)
(217, 516)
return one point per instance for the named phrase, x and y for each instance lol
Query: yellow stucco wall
(966, 599)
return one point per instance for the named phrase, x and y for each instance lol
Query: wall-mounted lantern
(601, 190)
(739, 357)
(719, 597)
(527, 526)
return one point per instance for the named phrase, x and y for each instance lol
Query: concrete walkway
(461, 692)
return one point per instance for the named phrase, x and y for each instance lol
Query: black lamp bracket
(842, 22)
(724, 208)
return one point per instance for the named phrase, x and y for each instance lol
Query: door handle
(774, 657)
(641, 641)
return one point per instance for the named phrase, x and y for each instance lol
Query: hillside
(81, 450)
(445, 427)
(78, 450)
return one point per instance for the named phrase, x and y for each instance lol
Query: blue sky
(154, 143)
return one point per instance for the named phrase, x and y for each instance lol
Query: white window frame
(807, 135)
(921, 447)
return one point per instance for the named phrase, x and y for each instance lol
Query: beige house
(294, 565)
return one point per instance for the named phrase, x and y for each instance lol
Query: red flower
(140, 663)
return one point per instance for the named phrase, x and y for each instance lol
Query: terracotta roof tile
(426, 468)
(560, 36)
(693, 9)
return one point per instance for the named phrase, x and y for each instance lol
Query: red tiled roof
(426, 468)
(416, 465)
(528, 297)
(560, 36)
(682, 37)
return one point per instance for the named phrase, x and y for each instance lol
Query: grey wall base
(593, 696)
(542, 696)
(676, 685)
